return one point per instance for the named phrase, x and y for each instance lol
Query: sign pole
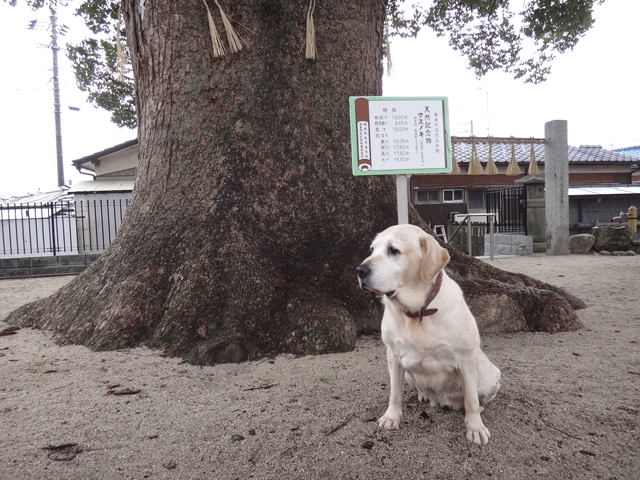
(403, 198)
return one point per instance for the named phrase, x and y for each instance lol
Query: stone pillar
(535, 210)
(556, 174)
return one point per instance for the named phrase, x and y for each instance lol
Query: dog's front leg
(391, 419)
(476, 431)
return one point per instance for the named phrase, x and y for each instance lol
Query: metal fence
(64, 227)
(510, 206)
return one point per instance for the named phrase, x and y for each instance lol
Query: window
(453, 195)
(475, 199)
(427, 196)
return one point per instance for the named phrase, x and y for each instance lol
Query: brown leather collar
(424, 311)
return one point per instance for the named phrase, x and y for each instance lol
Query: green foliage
(492, 36)
(95, 62)
(35, 4)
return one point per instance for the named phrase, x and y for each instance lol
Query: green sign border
(354, 137)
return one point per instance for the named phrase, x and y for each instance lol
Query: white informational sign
(397, 136)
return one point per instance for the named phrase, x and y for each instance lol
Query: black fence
(510, 206)
(64, 227)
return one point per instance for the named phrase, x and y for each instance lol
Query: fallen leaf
(170, 465)
(627, 409)
(262, 387)
(123, 391)
(65, 452)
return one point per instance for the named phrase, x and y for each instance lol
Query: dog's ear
(434, 258)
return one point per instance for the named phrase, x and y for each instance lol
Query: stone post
(556, 175)
(535, 210)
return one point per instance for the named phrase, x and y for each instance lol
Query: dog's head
(403, 260)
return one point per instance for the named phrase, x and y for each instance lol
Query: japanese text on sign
(399, 135)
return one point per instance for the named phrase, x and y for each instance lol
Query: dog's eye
(393, 251)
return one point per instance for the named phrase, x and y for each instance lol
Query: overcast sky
(595, 87)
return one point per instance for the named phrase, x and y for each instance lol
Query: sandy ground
(568, 407)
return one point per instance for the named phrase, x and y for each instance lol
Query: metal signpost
(400, 136)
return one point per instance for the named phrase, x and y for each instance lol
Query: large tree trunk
(245, 225)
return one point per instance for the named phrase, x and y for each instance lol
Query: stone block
(16, 263)
(44, 271)
(525, 250)
(71, 269)
(612, 238)
(581, 243)
(44, 261)
(525, 240)
(72, 260)
(16, 272)
(502, 239)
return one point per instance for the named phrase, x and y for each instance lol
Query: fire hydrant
(632, 215)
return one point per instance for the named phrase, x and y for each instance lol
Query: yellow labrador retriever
(431, 336)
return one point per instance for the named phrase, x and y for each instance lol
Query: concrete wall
(599, 209)
(505, 244)
(45, 266)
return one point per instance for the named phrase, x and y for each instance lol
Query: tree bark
(246, 224)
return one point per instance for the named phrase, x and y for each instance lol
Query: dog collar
(424, 311)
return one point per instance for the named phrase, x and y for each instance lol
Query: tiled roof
(501, 153)
(633, 151)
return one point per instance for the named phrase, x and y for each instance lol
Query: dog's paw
(390, 420)
(478, 433)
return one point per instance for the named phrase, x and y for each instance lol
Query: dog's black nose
(363, 271)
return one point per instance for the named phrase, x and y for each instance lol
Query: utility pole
(56, 92)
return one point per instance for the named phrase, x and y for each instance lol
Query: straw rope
(475, 167)
(533, 164)
(387, 50)
(218, 47)
(235, 43)
(513, 168)
(491, 169)
(310, 52)
(455, 168)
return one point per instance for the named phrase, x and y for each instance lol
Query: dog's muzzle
(363, 272)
